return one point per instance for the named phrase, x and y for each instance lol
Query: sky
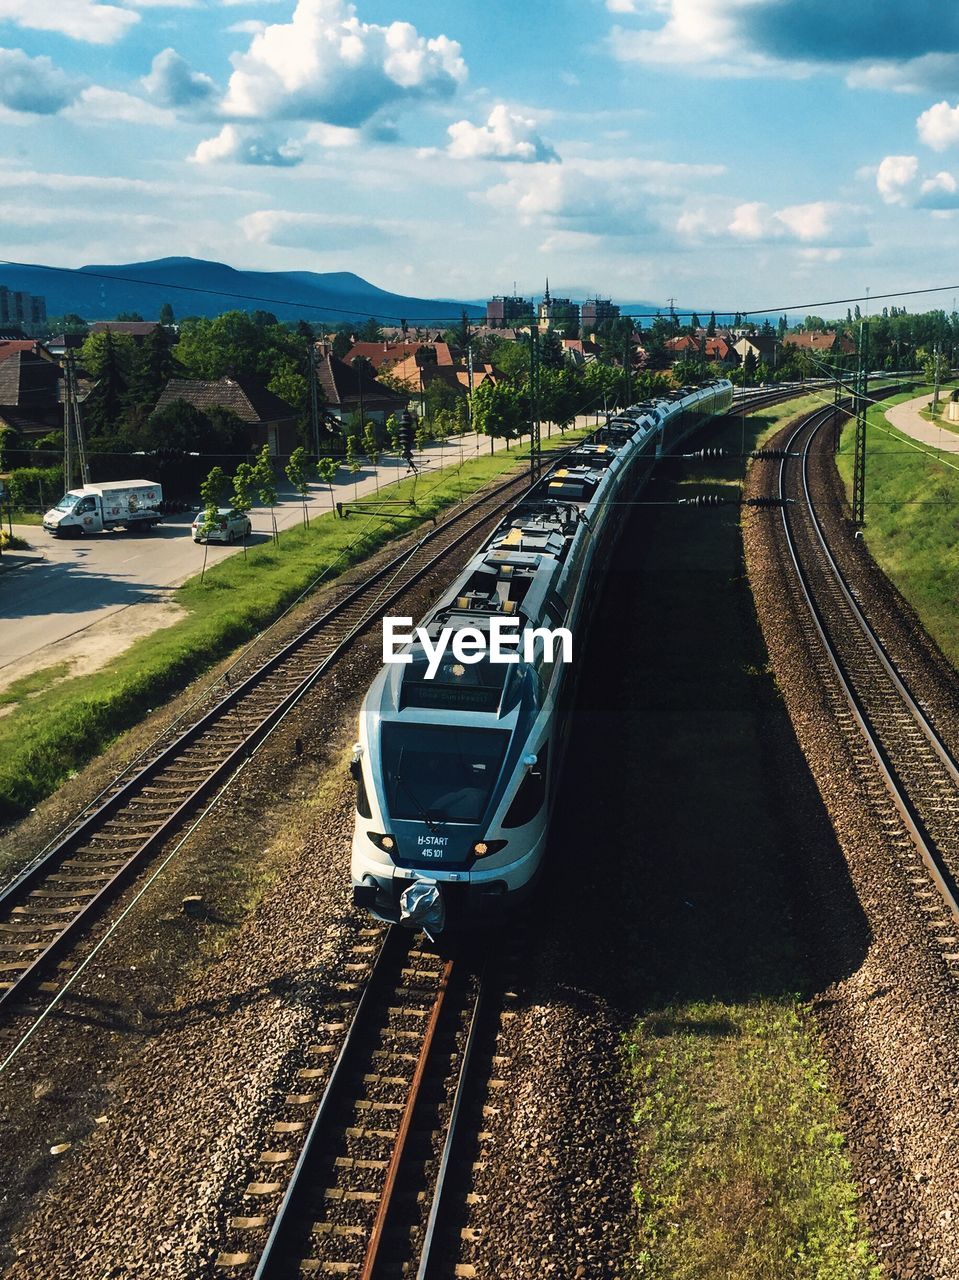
(735, 155)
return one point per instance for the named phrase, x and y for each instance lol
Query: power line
(428, 320)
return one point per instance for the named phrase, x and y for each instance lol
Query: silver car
(230, 526)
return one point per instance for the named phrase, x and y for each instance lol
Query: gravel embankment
(889, 1004)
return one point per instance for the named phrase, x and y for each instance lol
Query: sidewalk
(906, 418)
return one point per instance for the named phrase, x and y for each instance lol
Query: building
(557, 313)
(271, 420)
(138, 330)
(508, 312)
(815, 340)
(31, 389)
(761, 345)
(597, 311)
(343, 389)
(25, 309)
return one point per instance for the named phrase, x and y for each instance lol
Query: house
(344, 389)
(762, 346)
(719, 351)
(138, 330)
(382, 355)
(31, 389)
(822, 342)
(271, 420)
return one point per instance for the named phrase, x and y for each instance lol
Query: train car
(459, 756)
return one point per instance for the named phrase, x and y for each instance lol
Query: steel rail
(89, 910)
(912, 819)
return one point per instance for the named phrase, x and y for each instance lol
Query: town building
(597, 311)
(557, 313)
(27, 310)
(271, 421)
(508, 312)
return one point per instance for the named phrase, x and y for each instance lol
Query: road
(82, 601)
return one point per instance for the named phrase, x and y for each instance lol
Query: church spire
(546, 298)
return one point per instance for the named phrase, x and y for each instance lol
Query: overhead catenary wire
(419, 321)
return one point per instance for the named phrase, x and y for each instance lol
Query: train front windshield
(440, 773)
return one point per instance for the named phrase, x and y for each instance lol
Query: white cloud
(505, 136)
(34, 86)
(621, 6)
(597, 197)
(328, 66)
(930, 73)
(819, 223)
(894, 176)
(333, 136)
(79, 19)
(110, 106)
(240, 146)
(312, 230)
(172, 83)
(939, 126)
(248, 27)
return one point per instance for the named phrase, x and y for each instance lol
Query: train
(460, 747)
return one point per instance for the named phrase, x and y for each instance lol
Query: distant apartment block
(22, 309)
(507, 312)
(597, 310)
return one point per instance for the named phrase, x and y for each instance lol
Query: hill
(196, 287)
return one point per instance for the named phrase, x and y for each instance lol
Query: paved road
(906, 418)
(83, 600)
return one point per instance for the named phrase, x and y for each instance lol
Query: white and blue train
(458, 762)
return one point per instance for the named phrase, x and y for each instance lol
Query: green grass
(912, 521)
(36, 682)
(50, 735)
(743, 1173)
(27, 517)
(739, 1166)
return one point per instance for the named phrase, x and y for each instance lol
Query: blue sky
(737, 155)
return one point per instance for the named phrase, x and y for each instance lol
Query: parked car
(231, 525)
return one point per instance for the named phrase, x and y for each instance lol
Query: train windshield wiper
(432, 823)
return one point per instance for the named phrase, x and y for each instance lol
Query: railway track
(917, 773)
(50, 906)
(55, 902)
(369, 1194)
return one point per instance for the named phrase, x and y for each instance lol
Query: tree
(151, 367)
(166, 315)
(499, 410)
(265, 483)
(326, 469)
(109, 358)
(370, 331)
(372, 449)
(711, 327)
(298, 473)
(129, 315)
(212, 492)
(244, 487)
(353, 464)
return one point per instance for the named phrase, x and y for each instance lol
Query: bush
(36, 488)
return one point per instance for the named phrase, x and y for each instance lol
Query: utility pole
(937, 357)
(859, 464)
(314, 399)
(535, 448)
(68, 426)
(627, 371)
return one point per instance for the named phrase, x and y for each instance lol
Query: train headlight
(483, 848)
(384, 842)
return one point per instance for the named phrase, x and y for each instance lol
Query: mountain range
(195, 287)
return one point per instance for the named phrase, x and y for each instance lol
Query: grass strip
(743, 1169)
(740, 1170)
(51, 733)
(912, 496)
